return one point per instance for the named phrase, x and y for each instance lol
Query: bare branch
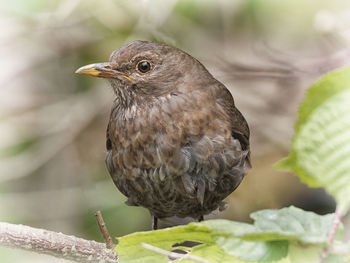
(103, 228)
(55, 244)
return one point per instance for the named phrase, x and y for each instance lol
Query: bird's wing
(239, 126)
(109, 158)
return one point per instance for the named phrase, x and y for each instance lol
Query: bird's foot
(154, 223)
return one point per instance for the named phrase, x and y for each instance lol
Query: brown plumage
(176, 143)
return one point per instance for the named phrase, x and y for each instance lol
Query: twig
(335, 225)
(55, 244)
(173, 254)
(104, 230)
(331, 234)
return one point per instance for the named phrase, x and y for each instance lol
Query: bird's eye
(143, 66)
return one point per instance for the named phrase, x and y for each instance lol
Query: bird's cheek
(142, 79)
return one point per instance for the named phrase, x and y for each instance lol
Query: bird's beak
(103, 70)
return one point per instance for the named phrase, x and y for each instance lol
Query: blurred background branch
(52, 122)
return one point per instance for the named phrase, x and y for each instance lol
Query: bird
(176, 143)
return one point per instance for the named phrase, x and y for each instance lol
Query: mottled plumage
(176, 143)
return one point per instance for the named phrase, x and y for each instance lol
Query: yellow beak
(103, 70)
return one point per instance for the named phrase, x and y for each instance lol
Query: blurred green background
(52, 122)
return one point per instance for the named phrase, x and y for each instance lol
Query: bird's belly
(166, 198)
(176, 178)
(166, 193)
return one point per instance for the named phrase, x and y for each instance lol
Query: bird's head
(149, 70)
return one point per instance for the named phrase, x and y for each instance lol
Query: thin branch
(336, 222)
(331, 234)
(55, 244)
(104, 231)
(281, 66)
(173, 255)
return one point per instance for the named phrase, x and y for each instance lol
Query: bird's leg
(154, 222)
(201, 218)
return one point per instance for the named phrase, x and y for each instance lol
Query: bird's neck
(141, 107)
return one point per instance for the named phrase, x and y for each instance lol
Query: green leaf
(213, 253)
(320, 152)
(233, 238)
(214, 247)
(304, 254)
(289, 223)
(253, 251)
(129, 247)
(267, 240)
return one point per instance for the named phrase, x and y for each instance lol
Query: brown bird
(176, 143)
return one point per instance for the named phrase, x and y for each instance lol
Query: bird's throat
(125, 93)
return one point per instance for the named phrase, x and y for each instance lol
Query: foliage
(321, 149)
(275, 236)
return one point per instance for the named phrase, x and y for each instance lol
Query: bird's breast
(147, 136)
